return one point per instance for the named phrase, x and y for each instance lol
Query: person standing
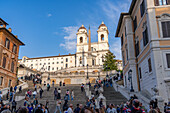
(7, 95)
(82, 87)
(77, 109)
(15, 89)
(58, 102)
(55, 94)
(11, 96)
(44, 83)
(60, 83)
(30, 109)
(68, 94)
(20, 89)
(14, 104)
(59, 93)
(53, 83)
(72, 94)
(70, 109)
(11, 89)
(41, 92)
(34, 94)
(48, 86)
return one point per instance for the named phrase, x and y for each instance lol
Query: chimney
(16, 36)
(59, 54)
(69, 54)
(9, 29)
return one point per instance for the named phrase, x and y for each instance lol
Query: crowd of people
(32, 105)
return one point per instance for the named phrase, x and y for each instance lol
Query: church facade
(87, 53)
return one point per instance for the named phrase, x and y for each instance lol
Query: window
(12, 66)
(44, 63)
(66, 65)
(140, 73)
(57, 62)
(52, 68)
(166, 29)
(137, 46)
(123, 58)
(9, 84)
(31, 64)
(145, 37)
(168, 60)
(81, 39)
(102, 37)
(4, 62)
(126, 52)
(66, 59)
(7, 43)
(162, 2)
(48, 62)
(1, 81)
(93, 62)
(135, 23)
(48, 68)
(149, 65)
(142, 8)
(53, 63)
(122, 40)
(61, 61)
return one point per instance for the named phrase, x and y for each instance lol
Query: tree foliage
(109, 62)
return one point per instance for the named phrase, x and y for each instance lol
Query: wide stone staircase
(112, 96)
(79, 98)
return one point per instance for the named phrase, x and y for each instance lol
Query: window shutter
(168, 28)
(168, 60)
(164, 29)
(156, 2)
(168, 2)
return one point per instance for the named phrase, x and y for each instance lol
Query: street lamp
(99, 75)
(87, 72)
(130, 78)
(106, 70)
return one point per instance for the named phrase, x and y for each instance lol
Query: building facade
(9, 49)
(145, 46)
(79, 59)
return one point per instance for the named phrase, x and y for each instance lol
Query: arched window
(12, 66)
(81, 39)
(4, 62)
(102, 37)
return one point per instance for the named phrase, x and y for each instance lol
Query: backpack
(25, 103)
(65, 98)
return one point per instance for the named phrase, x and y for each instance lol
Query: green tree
(109, 62)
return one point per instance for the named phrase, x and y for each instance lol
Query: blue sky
(48, 27)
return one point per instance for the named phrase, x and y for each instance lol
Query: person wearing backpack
(55, 94)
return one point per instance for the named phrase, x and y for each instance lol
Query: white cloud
(112, 10)
(49, 15)
(115, 47)
(70, 38)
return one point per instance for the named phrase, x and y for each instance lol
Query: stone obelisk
(89, 57)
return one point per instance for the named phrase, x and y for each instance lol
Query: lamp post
(130, 78)
(87, 72)
(99, 75)
(106, 71)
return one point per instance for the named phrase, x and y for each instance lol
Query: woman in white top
(59, 93)
(34, 94)
(72, 94)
